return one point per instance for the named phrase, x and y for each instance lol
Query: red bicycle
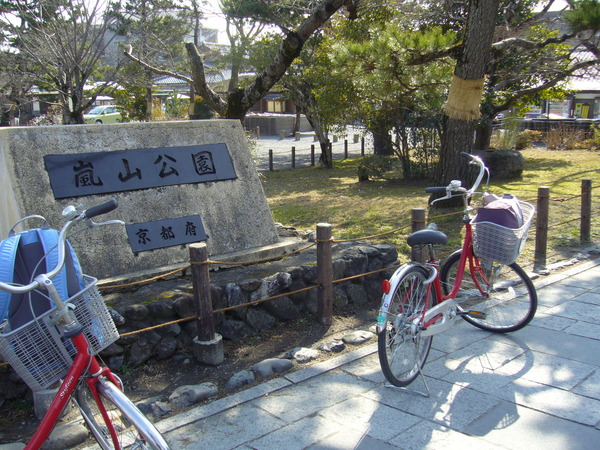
(480, 283)
(60, 345)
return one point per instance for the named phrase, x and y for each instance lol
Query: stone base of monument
(209, 352)
(42, 400)
(284, 247)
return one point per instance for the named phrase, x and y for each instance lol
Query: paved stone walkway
(538, 388)
(282, 149)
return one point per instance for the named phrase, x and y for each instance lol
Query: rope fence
(200, 262)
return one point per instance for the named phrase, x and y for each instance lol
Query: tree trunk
(462, 108)
(297, 121)
(240, 100)
(326, 157)
(382, 141)
(149, 95)
(483, 134)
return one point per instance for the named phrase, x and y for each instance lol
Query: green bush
(528, 137)
(375, 166)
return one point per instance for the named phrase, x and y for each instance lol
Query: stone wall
(177, 302)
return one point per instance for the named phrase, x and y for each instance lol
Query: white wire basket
(498, 243)
(38, 352)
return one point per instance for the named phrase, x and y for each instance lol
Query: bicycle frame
(83, 362)
(439, 318)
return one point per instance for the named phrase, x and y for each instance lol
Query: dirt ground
(160, 379)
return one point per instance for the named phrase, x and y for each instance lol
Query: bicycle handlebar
(456, 185)
(73, 217)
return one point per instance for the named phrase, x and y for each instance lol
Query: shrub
(375, 166)
(52, 117)
(528, 137)
(564, 137)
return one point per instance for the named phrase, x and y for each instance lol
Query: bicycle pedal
(476, 314)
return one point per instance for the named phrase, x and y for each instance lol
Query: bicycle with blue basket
(54, 323)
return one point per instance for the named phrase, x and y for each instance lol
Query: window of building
(275, 106)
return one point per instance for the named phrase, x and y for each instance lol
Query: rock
(166, 348)
(374, 264)
(503, 164)
(159, 409)
(234, 297)
(373, 289)
(356, 294)
(260, 320)
(234, 329)
(184, 305)
(338, 268)
(112, 350)
(250, 285)
(303, 354)
(340, 298)
(271, 366)
(161, 310)
(296, 272)
(310, 274)
(358, 337)
(136, 312)
(357, 264)
(272, 285)
(116, 362)
(312, 302)
(282, 308)
(240, 379)
(387, 253)
(139, 353)
(185, 396)
(335, 346)
(66, 436)
(117, 318)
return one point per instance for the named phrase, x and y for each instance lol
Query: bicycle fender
(387, 298)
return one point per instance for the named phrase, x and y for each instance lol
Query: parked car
(103, 114)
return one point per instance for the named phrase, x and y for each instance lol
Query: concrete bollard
(209, 352)
(281, 135)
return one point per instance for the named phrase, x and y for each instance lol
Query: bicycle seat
(429, 235)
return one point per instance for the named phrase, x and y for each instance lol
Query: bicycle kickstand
(414, 391)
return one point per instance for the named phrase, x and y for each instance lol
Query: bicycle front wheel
(504, 293)
(402, 350)
(133, 430)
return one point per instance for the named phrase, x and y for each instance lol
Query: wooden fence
(200, 261)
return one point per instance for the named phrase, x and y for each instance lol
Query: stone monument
(176, 183)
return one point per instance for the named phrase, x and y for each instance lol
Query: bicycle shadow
(465, 385)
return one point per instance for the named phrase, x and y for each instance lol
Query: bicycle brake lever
(108, 222)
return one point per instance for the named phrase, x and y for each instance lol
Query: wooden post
(208, 345)
(324, 274)
(270, 160)
(312, 155)
(201, 282)
(541, 228)
(293, 157)
(418, 219)
(345, 148)
(586, 210)
(362, 146)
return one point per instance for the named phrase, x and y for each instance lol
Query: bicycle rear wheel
(133, 429)
(402, 350)
(509, 299)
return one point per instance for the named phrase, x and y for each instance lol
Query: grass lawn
(304, 197)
